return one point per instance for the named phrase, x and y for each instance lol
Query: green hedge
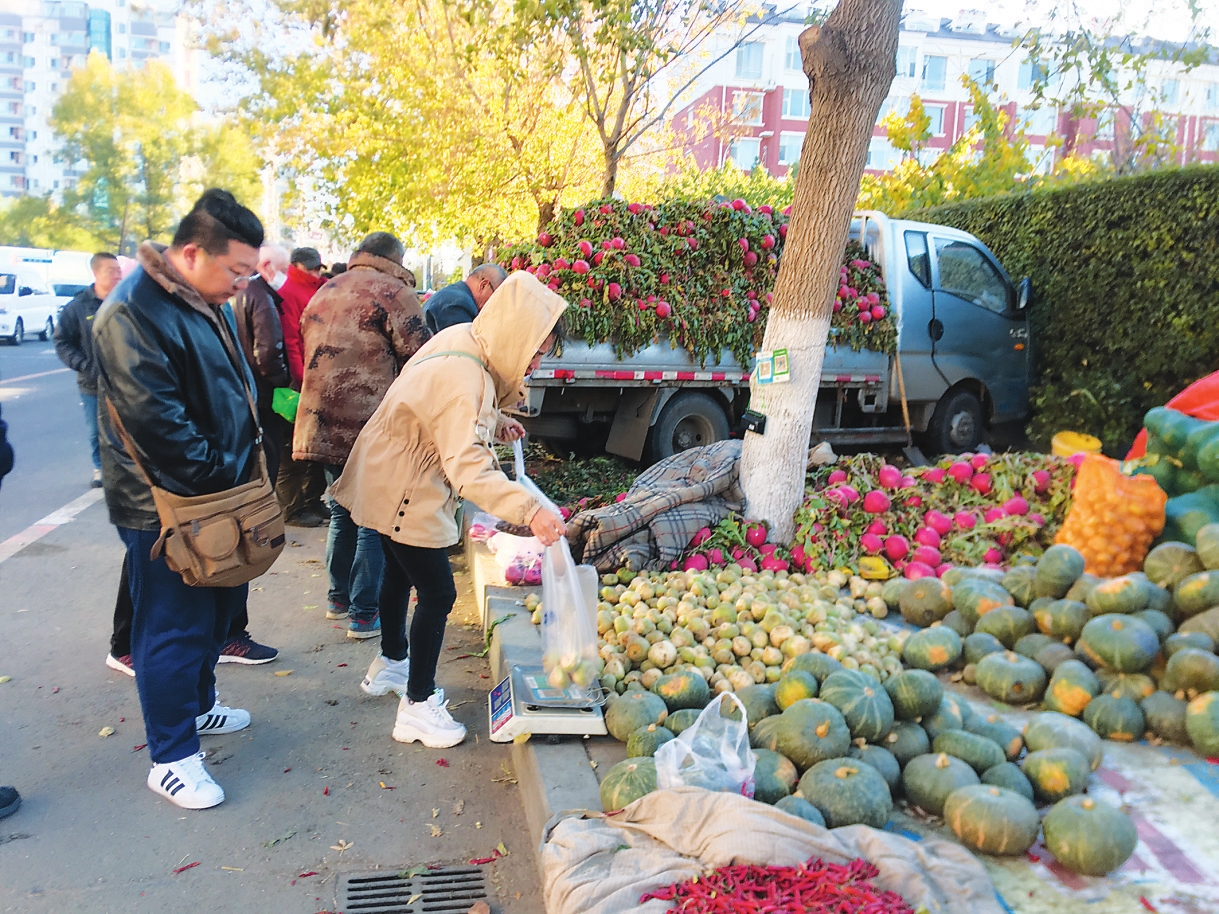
(1126, 292)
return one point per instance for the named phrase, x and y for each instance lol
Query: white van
(26, 305)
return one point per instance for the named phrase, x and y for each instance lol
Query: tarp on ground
(596, 864)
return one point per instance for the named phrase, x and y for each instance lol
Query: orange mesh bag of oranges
(1113, 518)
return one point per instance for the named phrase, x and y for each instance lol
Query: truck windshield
(8, 283)
(964, 271)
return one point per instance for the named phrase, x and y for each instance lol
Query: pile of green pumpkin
(836, 747)
(1132, 656)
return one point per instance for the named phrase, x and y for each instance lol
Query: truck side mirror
(1024, 295)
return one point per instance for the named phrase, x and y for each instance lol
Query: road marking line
(30, 377)
(37, 531)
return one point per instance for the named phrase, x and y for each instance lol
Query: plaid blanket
(666, 506)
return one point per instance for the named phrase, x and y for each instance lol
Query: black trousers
(300, 483)
(428, 572)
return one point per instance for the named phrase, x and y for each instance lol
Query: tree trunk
(850, 62)
(611, 172)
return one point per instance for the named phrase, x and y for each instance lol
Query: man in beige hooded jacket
(429, 444)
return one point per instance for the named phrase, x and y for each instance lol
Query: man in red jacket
(301, 483)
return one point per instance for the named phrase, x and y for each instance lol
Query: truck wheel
(688, 420)
(957, 424)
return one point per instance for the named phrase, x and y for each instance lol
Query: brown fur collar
(381, 265)
(152, 258)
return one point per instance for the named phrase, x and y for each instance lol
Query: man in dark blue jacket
(74, 343)
(460, 302)
(171, 370)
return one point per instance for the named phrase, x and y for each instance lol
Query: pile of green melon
(836, 747)
(1132, 656)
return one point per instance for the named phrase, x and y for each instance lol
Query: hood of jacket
(511, 327)
(362, 259)
(305, 278)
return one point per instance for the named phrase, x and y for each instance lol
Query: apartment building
(759, 87)
(41, 42)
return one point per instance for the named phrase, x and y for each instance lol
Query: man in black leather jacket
(169, 367)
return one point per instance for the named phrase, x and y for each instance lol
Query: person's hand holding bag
(548, 526)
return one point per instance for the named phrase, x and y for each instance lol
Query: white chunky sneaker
(222, 720)
(428, 722)
(186, 783)
(385, 676)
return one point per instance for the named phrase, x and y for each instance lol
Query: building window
(9, 57)
(935, 72)
(27, 61)
(1210, 136)
(879, 154)
(796, 104)
(790, 145)
(907, 62)
(1031, 74)
(122, 52)
(936, 115)
(27, 37)
(791, 59)
(1040, 121)
(749, 60)
(1169, 92)
(1212, 96)
(970, 119)
(122, 28)
(744, 152)
(30, 85)
(982, 71)
(747, 108)
(1104, 125)
(164, 47)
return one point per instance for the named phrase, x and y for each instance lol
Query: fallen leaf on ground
(414, 898)
(412, 872)
(6, 678)
(342, 846)
(479, 907)
(436, 832)
(459, 807)
(503, 850)
(234, 869)
(307, 874)
(139, 747)
(443, 763)
(383, 787)
(183, 869)
(435, 812)
(478, 825)
(283, 672)
(279, 840)
(105, 731)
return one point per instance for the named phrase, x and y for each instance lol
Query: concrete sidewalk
(317, 791)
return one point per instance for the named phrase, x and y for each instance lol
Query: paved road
(316, 771)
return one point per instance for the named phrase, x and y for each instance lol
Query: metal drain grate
(449, 890)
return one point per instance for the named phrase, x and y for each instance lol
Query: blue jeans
(176, 635)
(89, 402)
(353, 559)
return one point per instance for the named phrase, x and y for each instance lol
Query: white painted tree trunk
(850, 62)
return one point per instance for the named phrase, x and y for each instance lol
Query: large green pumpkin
(979, 752)
(1032, 644)
(626, 782)
(1206, 542)
(679, 691)
(794, 685)
(1062, 620)
(925, 600)
(811, 731)
(644, 742)
(1191, 671)
(1206, 622)
(1050, 730)
(906, 740)
(680, 721)
(975, 597)
(847, 792)
(1052, 656)
(632, 710)
(1121, 595)
(1157, 621)
(1056, 773)
(1179, 641)
(952, 714)
(766, 734)
(1010, 776)
(1114, 717)
(1196, 593)
(802, 808)
(815, 662)
(992, 820)
(1057, 569)
(891, 592)
(759, 703)
(1082, 587)
(979, 644)
(774, 777)
(1007, 623)
(882, 760)
(958, 623)
(914, 693)
(1071, 687)
(1088, 836)
(864, 703)
(1202, 724)
(1011, 678)
(1169, 563)
(1020, 582)
(932, 648)
(928, 780)
(1135, 686)
(998, 731)
(1165, 716)
(1121, 643)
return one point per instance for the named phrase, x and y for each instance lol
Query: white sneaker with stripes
(222, 720)
(186, 783)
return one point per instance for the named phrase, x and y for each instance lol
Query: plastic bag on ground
(569, 638)
(712, 753)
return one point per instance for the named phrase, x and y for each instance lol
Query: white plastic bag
(713, 753)
(569, 638)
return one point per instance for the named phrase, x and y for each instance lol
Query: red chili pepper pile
(813, 887)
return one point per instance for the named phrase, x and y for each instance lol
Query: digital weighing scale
(526, 703)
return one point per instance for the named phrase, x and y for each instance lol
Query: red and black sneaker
(244, 649)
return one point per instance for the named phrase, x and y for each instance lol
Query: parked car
(26, 305)
(64, 293)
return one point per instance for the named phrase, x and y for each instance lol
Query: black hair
(97, 259)
(383, 244)
(215, 220)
